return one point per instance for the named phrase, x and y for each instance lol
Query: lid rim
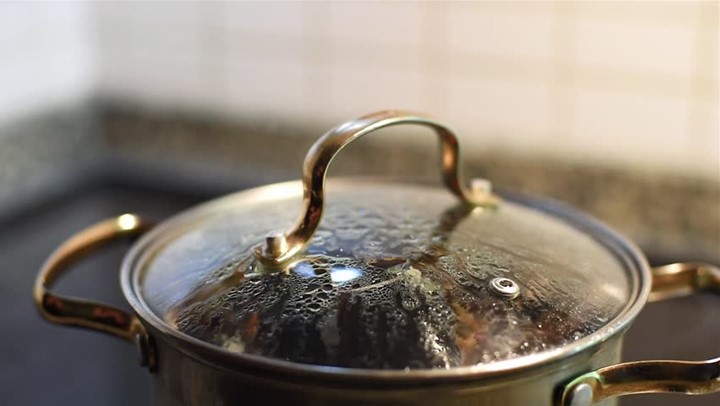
(624, 250)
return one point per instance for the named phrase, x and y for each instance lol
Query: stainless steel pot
(404, 294)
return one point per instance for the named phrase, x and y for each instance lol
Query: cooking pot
(390, 293)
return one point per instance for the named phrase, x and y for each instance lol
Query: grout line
(698, 121)
(214, 52)
(562, 123)
(618, 15)
(434, 58)
(317, 57)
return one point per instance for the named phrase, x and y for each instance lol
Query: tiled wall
(45, 56)
(633, 84)
(628, 83)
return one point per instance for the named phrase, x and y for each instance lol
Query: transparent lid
(382, 276)
(395, 277)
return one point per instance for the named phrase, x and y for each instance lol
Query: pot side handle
(84, 313)
(692, 378)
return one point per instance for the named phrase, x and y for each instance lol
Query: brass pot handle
(83, 313)
(692, 378)
(279, 248)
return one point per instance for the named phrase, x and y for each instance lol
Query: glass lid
(382, 275)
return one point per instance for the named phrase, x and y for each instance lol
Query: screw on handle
(279, 248)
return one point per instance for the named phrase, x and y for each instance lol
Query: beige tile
(284, 18)
(169, 81)
(263, 47)
(358, 91)
(266, 88)
(379, 24)
(159, 13)
(507, 32)
(350, 54)
(499, 112)
(631, 126)
(636, 47)
(663, 12)
(707, 126)
(500, 68)
(142, 37)
(705, 150)
(709, 47)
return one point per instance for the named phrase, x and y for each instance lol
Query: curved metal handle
(83, 313)
(281, 247)
(692, 378)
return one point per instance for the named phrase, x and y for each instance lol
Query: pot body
(183, 378)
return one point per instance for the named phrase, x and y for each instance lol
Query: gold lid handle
(281, 247)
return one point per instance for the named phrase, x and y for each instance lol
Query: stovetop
(47, 364)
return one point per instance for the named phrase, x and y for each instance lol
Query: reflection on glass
(305, 270)
(340, 273)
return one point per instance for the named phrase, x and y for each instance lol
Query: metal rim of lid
(631, 257)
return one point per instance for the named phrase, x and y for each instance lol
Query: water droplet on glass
(409, 303)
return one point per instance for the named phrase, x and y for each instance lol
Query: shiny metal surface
(553, 314)
(191, 380)
(692, 378)
(77, 312)
(87, 314)
(280, 247)
(682, 279)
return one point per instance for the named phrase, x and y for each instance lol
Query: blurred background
(108, 107)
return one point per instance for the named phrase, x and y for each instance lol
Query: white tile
(506, 31)
(29, 28)
(672, 12)
(378, 24)
(359, 55)
(159, 13)
(264, 47)
(705, 147)
(708, 126)
(636, 46)
(631, 126)
(286, 18)
(155, 79)
(710, 65)
(358, 91)
(46, 56)
(147, 38)
(266, 88)
(499, 112)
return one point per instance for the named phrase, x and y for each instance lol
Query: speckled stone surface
(671, 216)
(47, 153)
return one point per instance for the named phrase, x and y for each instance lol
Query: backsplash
(624, 84)
(610, 106)
(46, 57)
